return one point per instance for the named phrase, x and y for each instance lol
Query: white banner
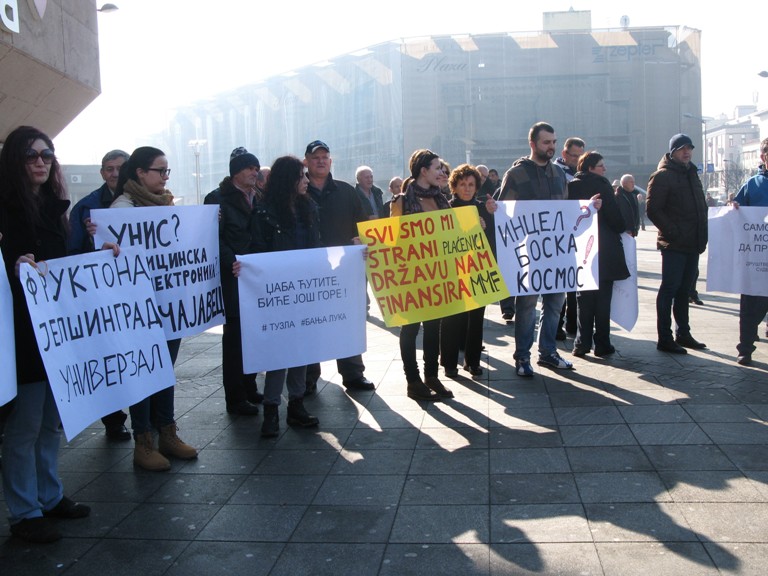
(99, 332)
(7, 341)
(737, 262)
(547, 246)
(301, 306)
(181, 245)
(624, 304)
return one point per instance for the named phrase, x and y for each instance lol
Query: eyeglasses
(162, 171)
(47, 156)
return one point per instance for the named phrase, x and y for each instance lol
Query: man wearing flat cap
(238, 203)
(676, 206)
(340, 210)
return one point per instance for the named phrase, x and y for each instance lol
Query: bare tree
(733, 176)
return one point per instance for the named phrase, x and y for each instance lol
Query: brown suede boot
(145, 456)
(172, 445)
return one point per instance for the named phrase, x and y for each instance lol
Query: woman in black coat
(33, 228)
(465, 330)
(594, 306)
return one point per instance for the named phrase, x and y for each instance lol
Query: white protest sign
(181, 245)
(7, 341)
(624, 304)
(301, 306)
(737, 262)
(99, 332)
(547, 246)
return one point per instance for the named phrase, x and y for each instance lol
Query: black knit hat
(241, 159)
(678, 141)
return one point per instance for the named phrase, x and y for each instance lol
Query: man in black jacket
(80, 242)
(675, 204)
(340, 210)
(238, 202)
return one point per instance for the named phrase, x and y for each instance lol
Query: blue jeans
(525, 324)
(156, 409)
(678, 270)
(31, 453)
(295, 379)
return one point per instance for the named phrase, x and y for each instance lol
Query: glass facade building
(469, 98)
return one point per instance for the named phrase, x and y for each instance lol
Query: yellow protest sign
(430, 265)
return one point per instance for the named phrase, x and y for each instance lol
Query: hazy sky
(156, 55)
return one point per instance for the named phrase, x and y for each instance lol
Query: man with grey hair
(630, 211)
(80, 242)
(371, 197)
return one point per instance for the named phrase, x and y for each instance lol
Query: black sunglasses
(47, 155)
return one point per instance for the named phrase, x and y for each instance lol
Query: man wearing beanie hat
(676, 206)
(239, 203)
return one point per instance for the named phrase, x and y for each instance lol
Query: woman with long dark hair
(593, 307)
(288, 222)
(33, 228)
(422, 193)
(141, 184)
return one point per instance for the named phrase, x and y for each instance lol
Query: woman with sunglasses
(33, 205)
(142, 183)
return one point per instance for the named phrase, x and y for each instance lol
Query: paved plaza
(641, 463)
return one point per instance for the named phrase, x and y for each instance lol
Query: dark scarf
(413, 192)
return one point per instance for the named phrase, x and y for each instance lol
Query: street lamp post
(706, 167)
(196, 145)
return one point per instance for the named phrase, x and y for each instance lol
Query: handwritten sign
(181, 247)
(8, 340)
(430, 265)
(737, 262)
(624, 303)
(99, 332)
(301, 306)
(547, 246)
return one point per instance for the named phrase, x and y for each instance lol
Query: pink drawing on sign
(586, 213)
(590, 242)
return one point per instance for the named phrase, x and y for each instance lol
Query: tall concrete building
(469, 98)
(49, 62)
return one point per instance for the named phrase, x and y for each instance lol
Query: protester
(33, 229)
(676, 206)
(465, 330)
(142, 184)
(340, 211)
(630, 210)
(752, 309)
(80, 241)
(536, 177)
(290, 222)
(569, 162)
(371, 197)
(594, 306)
(238, 199)
(422, 193)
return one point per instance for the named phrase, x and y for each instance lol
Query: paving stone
(437, 489)
(441, 524)
(642, 521)
(556, 559)
(621, 487)
(352, 524)
(231, 558)
(539, 523)
(670, 559)
(688, 457)
(533, 488)
(528, 460)
(607, 458)
(336, 559)
(459, 559)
